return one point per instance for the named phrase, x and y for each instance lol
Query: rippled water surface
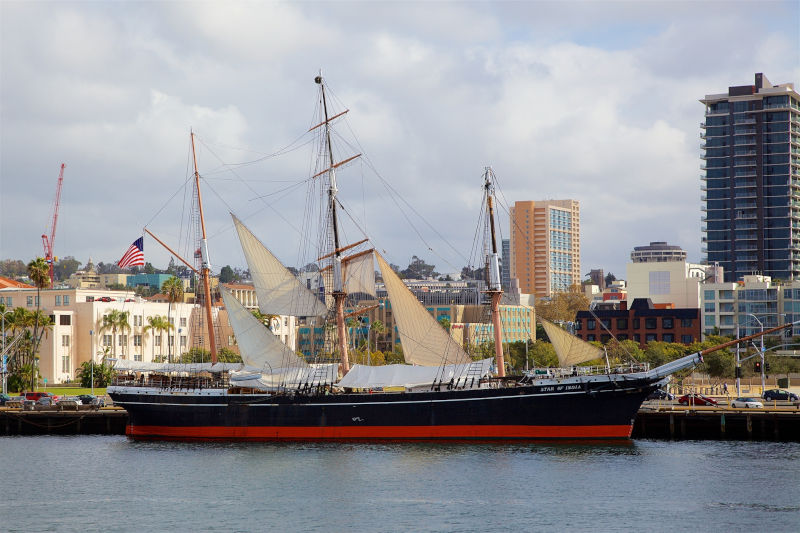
(107, 484)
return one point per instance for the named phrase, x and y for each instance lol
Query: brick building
(642, 322)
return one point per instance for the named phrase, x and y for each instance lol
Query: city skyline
(603, 109)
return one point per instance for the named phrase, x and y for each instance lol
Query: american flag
(134, 256)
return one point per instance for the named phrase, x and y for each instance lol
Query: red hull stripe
(382, 432)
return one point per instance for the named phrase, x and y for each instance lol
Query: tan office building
(545, 246)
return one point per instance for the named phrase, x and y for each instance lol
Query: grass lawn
(68, 391)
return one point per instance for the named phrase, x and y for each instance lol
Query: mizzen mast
(495, 290)
(205, 263)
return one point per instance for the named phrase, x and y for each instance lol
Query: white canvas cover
(359, 274)
(570, 349)
(279, 291)
(425, 342)
(317, 374)
(408, 376)
(259, 346)
(144, 366)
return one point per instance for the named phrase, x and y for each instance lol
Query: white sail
(279, 291)
(259, 347)
(425, 342)
(570, 349)
(359, 274)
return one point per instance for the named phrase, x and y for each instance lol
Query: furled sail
(362, 376)
(279, 291)
(259, 347)
(425, 342)
(570, 349)
(359, 273)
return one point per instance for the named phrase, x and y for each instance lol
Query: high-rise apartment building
(545, 246)
(751, 183)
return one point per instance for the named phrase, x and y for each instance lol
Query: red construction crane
(47, 242)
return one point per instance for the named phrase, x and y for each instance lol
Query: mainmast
(205, 268)
(338, 290)
(495, 289)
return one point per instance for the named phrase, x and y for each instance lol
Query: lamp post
(91, 350)
(5, 356)
(763, 380)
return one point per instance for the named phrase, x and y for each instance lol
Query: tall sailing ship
(440, 393)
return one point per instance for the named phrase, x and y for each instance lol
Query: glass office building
(751, 180)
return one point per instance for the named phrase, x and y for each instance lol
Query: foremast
(338, 292)
(495, 289)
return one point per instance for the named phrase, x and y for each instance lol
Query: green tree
(39, 272)
(377, 329)
(158, 325)
(542, 354)
(66, 267)
(173, 289)
(114, 320)
(419, 269)
(227, 275)
(445, 323)
(102, 373)
(226, 355)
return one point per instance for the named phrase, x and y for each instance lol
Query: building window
(172, 320)
(636, 324)
(172, 340)
(709, 307)
(137, 357)
(107, 340)
(590, 338)
(30, 301)
(622, 337)
(650, 337)
(183, 321)
(64, 320)
(668, 323)
(590, 324)
(650, 323)
(65, 341)
(66, 299)
(578, 324)
(686, 322)
(183, 341)
(58, 299)
(232, 340)
(65, 366)
(123, 340)
(158, 341)
(137, 340)
(668, 337)
(637, 337)
(605, 338)
(708, 296)
(687, 339)
(622, 323)
(606, 322)
(710, 320)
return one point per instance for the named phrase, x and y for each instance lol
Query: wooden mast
(205, 264)
(495, 289)
(338, 290)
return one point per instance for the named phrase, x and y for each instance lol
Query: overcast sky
(595, 101)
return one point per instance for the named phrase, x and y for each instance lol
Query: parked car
(696, 399)
(37, 395)
(660, 394)
(4, 398)
(91, 399)
(46, 400)
(746, 403)
(779, 394)
(75, 399)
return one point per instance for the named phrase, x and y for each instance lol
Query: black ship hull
(577, 410)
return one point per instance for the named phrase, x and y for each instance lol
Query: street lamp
(763, 380)
(91, 350)
(4, 361)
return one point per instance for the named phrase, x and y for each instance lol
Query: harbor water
(110, 483)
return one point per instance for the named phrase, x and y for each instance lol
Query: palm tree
(379, 329)
(157, 324)
(115, 319)
(39, 272)
(352, 324)
(173, 289)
